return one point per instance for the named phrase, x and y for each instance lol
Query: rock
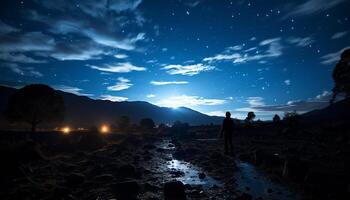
(74, 179)
(151, 188)
(244, 196)
(149, 146)
(176, 173)
(127, 170)
(201, 175)
(104, 178)
(127, 190)
(174, 190)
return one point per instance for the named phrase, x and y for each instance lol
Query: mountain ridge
(83, 111)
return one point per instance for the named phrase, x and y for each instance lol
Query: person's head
(228, 115)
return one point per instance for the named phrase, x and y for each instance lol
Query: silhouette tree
(341, 76)
(250, 117)
(147, 123)
(123, 123)
(34, 104)
(276, 118)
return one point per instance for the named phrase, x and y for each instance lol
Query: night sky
(209, 55)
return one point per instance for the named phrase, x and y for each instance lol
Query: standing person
(227, 131)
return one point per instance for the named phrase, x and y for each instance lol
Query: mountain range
(82, 111)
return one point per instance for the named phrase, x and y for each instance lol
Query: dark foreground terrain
(271, 161)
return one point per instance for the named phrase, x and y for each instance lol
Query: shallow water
(259, 184)
(246, 175)
(191, 173)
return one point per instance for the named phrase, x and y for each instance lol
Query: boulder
(74, 179)
(174, 190)
(126, 190)
(201, 175)
(127, 170)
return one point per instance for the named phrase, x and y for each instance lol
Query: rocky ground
(91, 166)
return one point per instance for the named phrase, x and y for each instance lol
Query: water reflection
(250, 180)
(191, 174)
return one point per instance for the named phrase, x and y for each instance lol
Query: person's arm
(222, 129)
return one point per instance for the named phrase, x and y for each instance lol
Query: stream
(248, 179)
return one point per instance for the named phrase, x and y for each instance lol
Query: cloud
(312, 6)
(273, 49)
(192, 3)
(31, 41)
(287, 82)
(151, 96)
(168, 82)
(43, 45)
(120, 56)
(5, 28)
(70, 89)
(318, 102)
(301, 42)
(332, 58)
(188, 70)
(122, 84)
(113, 98)
(339, 35)
(189, 101)
(118, 68)
(255, 101)
(218, 113)
(19, 58)
(87, 30)
(23, 71)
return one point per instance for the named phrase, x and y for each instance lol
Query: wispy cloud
(113, 98)
(332, 58)
(312, 6)
(19, 58)
(118, 68)
(339, 35)
(151, 96)
(120, 56)
(255, 101)
(273, 45)
(188, 70)
(301, 42)
(218, 113)
(5, 28)
(70, 89)
(122, 84)
(23, 71)
(301, 106)
(168, 82)
(189, 101)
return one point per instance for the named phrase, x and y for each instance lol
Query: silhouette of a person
(227, 132)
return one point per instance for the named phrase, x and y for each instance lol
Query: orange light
(66, 130)
(104, 129)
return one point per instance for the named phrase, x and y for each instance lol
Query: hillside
(82, 111)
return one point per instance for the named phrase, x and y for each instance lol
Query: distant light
(66, 130)
(104, 129)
